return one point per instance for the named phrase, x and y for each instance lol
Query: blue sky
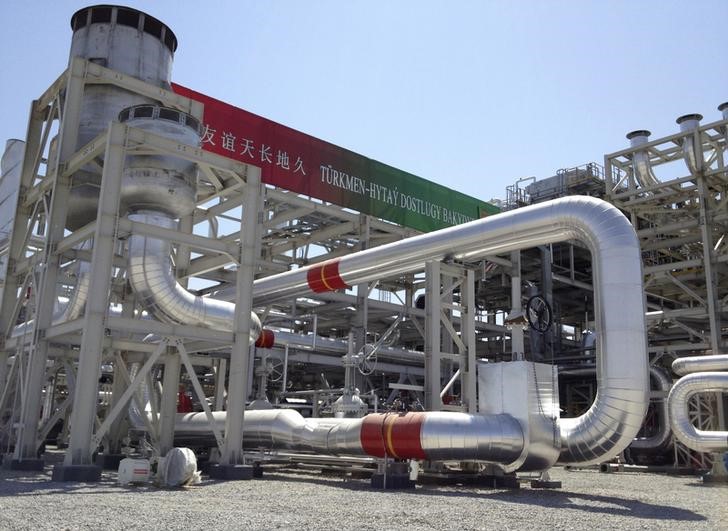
(470, 94)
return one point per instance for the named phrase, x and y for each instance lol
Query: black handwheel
(538, 313)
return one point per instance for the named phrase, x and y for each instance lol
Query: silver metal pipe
(717, 362)
(152, 277)
(73, 307)
(662, 436)
(426, 435)
(723, 108)
(692, 154)
(326, 344)
(617, 413)
(641, 160)
(682, 426)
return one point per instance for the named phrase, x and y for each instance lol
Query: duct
(682, 426)
(641, 160)
(617, 413)
(717, 362)
(425, 435)
(723, 108)
(152, 278)
(72, 308)
(692, 154)
(662, 437)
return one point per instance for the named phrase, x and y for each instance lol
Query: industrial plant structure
(318, 303)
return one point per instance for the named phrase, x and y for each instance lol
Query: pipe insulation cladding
(615, 417)
(705, 378)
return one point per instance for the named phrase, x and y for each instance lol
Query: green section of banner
(414, 202)
(307, 165)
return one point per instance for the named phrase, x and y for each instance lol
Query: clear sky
(470, 94)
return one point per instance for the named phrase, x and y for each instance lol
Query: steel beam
(232, 453)
(81, 448)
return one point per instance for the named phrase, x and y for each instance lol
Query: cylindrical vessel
(160, 182)
(127, 41)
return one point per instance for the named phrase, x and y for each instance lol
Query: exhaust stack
(691, 151)
(723, 108)
(640, 159)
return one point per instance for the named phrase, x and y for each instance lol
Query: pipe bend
(152, 277)
(716, 362)
(622, 366)
(682, 426)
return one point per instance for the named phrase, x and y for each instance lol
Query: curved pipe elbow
(716, 362)
(152, 278)
(682, 426)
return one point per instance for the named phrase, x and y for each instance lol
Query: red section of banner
(325, 277)
(288, 158)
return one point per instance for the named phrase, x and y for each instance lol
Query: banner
(301, 163)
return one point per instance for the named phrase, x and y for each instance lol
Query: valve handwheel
(538, 313)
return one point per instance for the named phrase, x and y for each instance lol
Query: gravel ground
(296, 500)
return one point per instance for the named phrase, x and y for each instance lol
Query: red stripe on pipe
(406, 442)
(266, 339)
(371, 436)
(396, 435)
(331, 275)
(325, 277)
(313, 276)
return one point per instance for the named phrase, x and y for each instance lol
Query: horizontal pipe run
(717, 362)
(421, 435)
(622, 370)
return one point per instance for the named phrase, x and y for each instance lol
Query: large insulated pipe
(662, 384)
(617, 413)
(716, 362)
(422, 435)
(159, 189)
(690, 385)
(64, 310)
(641, 166)
(152, 278)
(691, 152)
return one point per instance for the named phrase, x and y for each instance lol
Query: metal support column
(442, 280)
(168, 409)
(77, 462)
(433, 357)
(710, 278)
(27, 442)
(517, 342)
(232, 464)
